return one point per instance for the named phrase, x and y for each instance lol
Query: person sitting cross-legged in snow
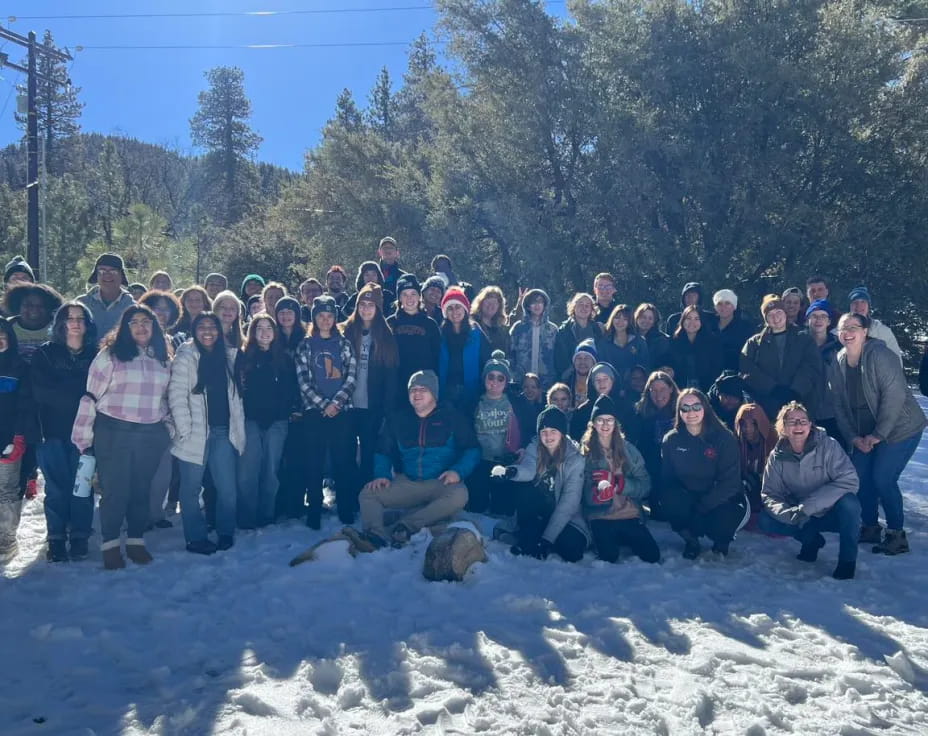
(432, 449)
(810, 486)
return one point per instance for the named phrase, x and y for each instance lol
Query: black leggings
(484, 492)
(533, 514)
(609, 535)
(719, 523)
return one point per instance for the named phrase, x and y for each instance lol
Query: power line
(258, 46)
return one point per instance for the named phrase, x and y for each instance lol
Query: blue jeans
(66, 515)
(843, 517)
(879, 472)
(257, 473)
(221, 458)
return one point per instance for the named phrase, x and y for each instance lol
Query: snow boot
(113, 559)
(135, 551)
(809, 550)
(894, 543)
(201, 547)
(871, 534)
(452, 553)
(78, 550)
(57, 551)
(691, 548)
(225, 543)
(845, 570)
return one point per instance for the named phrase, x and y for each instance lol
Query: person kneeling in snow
(810, 486)
(433, 450)
(548, 506)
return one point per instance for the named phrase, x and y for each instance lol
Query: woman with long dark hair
(621, 347)
(701, 491)
(464, 352)
(647, 322)
(59, 378)
(193, 300)
(656, 410)
(550, 477)
(122, 417)
(267, 377)
(209, 422)
(378, 361)
(695, 352)
(615, 483)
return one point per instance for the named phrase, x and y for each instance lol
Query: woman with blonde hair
(580, 325)
(489, 312)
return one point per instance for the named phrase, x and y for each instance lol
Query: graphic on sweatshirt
(327, 364)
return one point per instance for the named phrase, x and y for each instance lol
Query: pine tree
(58, 108)
(381, 106)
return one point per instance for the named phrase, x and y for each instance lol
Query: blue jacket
(425, 448)
(476, 353)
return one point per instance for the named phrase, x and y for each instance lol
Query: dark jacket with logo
(707, 466)
(418, 341)
(425, 448)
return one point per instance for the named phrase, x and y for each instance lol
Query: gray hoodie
(816, 480)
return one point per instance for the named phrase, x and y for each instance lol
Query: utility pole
(32, 130)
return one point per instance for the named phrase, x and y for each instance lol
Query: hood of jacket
(764, 427)
(687, 288)
(527, 299)
(368, 266)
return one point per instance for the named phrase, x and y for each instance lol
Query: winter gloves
(503, 472)
(15, 451)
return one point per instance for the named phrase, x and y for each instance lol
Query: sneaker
(78, 550)
(225, 543)
(809, 550)
(32, 489)
(202, 547)
(871, 534)
(138, 554)
(57, 551)
(894, 543)
(844, 570)
(113, 559)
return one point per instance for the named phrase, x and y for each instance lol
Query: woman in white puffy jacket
(209, 421)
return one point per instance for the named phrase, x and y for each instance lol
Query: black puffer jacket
(707, 466)
(59, 379)
(17, 410)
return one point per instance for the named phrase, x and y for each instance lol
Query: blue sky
(151, 94)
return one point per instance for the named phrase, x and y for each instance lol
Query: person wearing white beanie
(733, 328)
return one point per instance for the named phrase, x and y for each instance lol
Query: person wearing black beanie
(550, 473)
(418, 338)
(615, 483)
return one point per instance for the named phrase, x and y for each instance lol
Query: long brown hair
(384, 350)
(250, 347)
(710, 420)
(691, 309)
(630, 327)
(593, 449)
(500, 319)
(548, 461)
(645, 407)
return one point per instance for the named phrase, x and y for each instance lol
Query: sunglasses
(687, 408)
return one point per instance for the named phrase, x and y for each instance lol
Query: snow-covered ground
(238, 643)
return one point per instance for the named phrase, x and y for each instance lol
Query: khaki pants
(434, 501)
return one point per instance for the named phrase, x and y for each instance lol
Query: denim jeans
(879, 472)
(257, 473)
(221, 458)
(66, 515)
(843, 517)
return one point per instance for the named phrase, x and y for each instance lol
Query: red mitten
(19, 449)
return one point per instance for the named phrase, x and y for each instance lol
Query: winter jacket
(17, 410)
(382, 384)
(709, 319)
(474, 353)
(652, 429)
(821, 402)
(59, 379)
(771, 384)
(628, 418)
(569, 335)
(706, 465)
(696, 364)
(612, 503)
(733, 336)
(424, 448)
(658, 348)
(418, 341)
(497, 336)
(306, 379)
(601, 314)
(269, 393)
(815, 481)
(624, 359)
(106, 317)
(881, 332)
(391, 275)
(568, 489)
(897, 413)
(521, 334)
(189, 409)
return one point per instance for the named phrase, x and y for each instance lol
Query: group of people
(425, 399)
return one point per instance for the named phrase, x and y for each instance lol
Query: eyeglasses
(139, 323)
(687, 408)
(604, 421)
(797, 422)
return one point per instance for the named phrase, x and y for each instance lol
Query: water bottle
(84, 478)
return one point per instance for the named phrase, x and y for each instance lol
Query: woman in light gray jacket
(209, 430)
(879, 416)
(810, 487)
(550, 474)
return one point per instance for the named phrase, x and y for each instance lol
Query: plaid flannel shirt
(312, 399)
(135, 391)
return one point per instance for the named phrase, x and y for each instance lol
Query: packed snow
(240, 643)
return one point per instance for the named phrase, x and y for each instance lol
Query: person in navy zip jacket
(422, 460)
